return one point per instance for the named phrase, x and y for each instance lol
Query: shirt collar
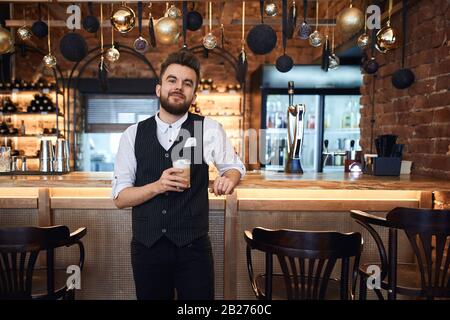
(163, 126)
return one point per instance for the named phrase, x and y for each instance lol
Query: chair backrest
(307, 259)
(19, 249)
(428, 232)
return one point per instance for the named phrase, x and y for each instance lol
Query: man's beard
(175, 109)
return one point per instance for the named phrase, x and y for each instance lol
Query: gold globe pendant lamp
(123, 19)
(364, 39)
(167, 30)
(387, 37)
(350, 20)
(6, 41)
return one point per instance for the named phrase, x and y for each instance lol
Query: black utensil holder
(384, 166)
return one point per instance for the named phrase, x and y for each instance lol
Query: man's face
(177, 89)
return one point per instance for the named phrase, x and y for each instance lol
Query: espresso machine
(295, 126)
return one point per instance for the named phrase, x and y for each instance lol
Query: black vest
(180, 216)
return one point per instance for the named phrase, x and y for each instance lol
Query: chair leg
(379, 294)
(70, 295)
(362, 288)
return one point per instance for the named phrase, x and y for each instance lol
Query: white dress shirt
(217, 150)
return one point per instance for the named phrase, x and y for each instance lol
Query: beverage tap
(295, 124)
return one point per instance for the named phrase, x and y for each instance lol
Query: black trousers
(163, 268)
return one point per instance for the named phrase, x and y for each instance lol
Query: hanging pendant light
(140, 44)
(316, 38)
(24, 33)
(123, 19)
(173, 12)
(333, 59)
(364, 39)
(6, 41)
(242, 66)
(112, 54)
(350, 20)
(167, 30)
(271, 9)
(388, 38)
(102, 67)
(210, 40)
(49, 60)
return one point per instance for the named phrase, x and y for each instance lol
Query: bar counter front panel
(312, 202)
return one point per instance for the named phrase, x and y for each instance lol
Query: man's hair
(184, 58)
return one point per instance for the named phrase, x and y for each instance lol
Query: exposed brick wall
(419, 115)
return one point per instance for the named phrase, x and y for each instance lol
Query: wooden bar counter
(312, 201)
(266, 180)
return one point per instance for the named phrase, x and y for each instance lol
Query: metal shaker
(62, 156)
(46, 156)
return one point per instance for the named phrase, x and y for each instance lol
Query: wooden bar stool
(19, 249)
(307, 260)
(428, 232)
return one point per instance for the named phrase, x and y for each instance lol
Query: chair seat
(408, 275)
(279, 287)
(40, 282)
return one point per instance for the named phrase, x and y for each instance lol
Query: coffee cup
(185, 165)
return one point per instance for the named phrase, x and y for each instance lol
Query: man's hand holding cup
(173, 179)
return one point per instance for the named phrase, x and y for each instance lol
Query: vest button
(166, 155)
(164, 230)
(164, 211)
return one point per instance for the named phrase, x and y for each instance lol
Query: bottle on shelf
(311, 123)
(25, 85)
(346, 121)
(4, 128)
(281, 152)
(8, 106)
(327, 121)
(16, 84)
(269, 146)
(270, 122)
(278, 120)
(22, 128)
